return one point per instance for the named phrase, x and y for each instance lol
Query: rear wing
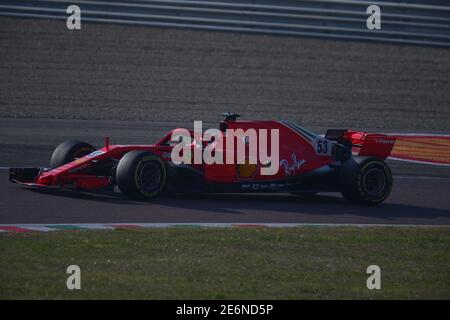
(377, 145)
(363, 143)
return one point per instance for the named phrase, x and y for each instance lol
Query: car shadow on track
(325, 205)
(106, 197)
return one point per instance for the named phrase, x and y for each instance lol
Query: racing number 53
(323, 147)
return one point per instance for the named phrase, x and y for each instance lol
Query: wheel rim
(374, 181)
(149, 177)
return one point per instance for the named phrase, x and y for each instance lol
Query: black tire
(141, 175)
(69, 151)
(365, 180)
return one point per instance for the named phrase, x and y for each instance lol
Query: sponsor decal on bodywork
(291, 166)
(247, 170)
(261, 186)
(95, 154)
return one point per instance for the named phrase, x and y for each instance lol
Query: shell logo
(246, 170)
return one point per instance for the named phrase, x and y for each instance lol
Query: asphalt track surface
(412, 202)
(133, 84)
(420, 193)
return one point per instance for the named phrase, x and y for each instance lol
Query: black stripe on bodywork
(310, 137)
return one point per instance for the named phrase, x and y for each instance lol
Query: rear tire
(69, 151)
(365, 180)
(141, 175)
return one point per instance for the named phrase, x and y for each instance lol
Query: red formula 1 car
(345, 161)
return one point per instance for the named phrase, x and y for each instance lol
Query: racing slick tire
(365, 180)
(69, 151)
(141, 175)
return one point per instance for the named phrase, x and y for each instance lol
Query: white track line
(420, 162)
(412, 177)
(418, 134)
(111, 226)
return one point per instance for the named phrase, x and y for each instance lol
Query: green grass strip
(228, 263)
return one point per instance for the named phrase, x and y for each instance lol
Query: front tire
(365, 180)
(69, 151)
(141, 175)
